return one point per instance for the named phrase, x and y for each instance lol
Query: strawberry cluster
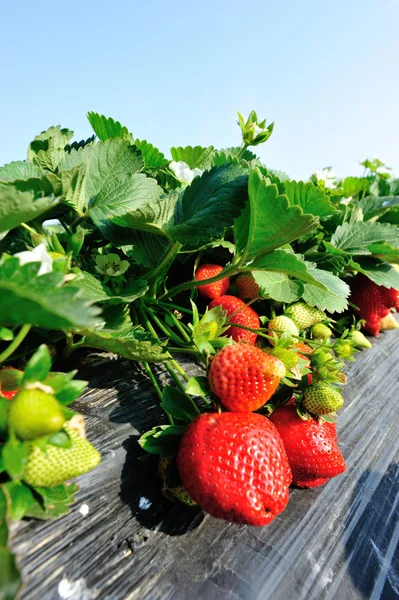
(238, 464)
(373, 304)
(31, 413)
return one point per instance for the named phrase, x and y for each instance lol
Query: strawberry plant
(265, 282)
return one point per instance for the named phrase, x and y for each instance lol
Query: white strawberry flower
(327, 177)
(111, 265)
(38, 254)
(383, 171)
(183, 172)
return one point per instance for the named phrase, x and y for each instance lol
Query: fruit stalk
(17, 341)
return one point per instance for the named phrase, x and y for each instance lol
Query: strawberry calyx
(10, 382)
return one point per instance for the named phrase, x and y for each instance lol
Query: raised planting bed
(336, 541)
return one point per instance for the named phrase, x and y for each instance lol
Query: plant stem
(148, 325)
(180, 327)
(167, 331)
(184, 350)
(163, 266)
(17, 341)
(242, 150)
(174, 307)
(154, 382)
(28, 228)
(229, 272)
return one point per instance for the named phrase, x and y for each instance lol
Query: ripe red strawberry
(244, 377)
(373, 302)
(235, 467)
(241, 314)
(311, 447)
(211, 290)
(391, 296)
(247, 287)
(302, 347)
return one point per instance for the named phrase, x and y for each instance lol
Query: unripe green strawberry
(34, 413)
(56, 465)
(209, 329)
(289, 358)
(55, 255)
(389, 322)
(321, 399)
(280, 325)
(304, 315)
(321, 332)
(359, 340)
(343, 349)
(179, 491)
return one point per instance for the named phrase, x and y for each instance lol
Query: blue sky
(176, 72)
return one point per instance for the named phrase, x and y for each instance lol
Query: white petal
(183, 171)
(329, 184)
(38, 254)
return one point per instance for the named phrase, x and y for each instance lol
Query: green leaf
(47, 149)
(374, 205)
(198, 386)
(222, 157)
(378, 271)
(14, 456)
(38, 366)
(210, 204)
(178, 405)
(268, 221)
(3, 518)
(91, 288)
(51, 503)
(10, 579)
(75, 158)
(4, 406)
(60, 439)
(20, 497)
(114, 184)
(391, 216)
(146, 248)
(195, 158)
(132, 343)
(355, 185)
(277, 286)
(6, 335)
(81, 144)
(356, 237)
(282, 261)
(19, 170)
(332, 298)
(163, 439)
(26, 298)
(155, 217)
(106, 128)
(247, 155)
(21, 207)
(385, 252)
(310, 198)
(66, 389)
(73, 184)
(153, 158)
